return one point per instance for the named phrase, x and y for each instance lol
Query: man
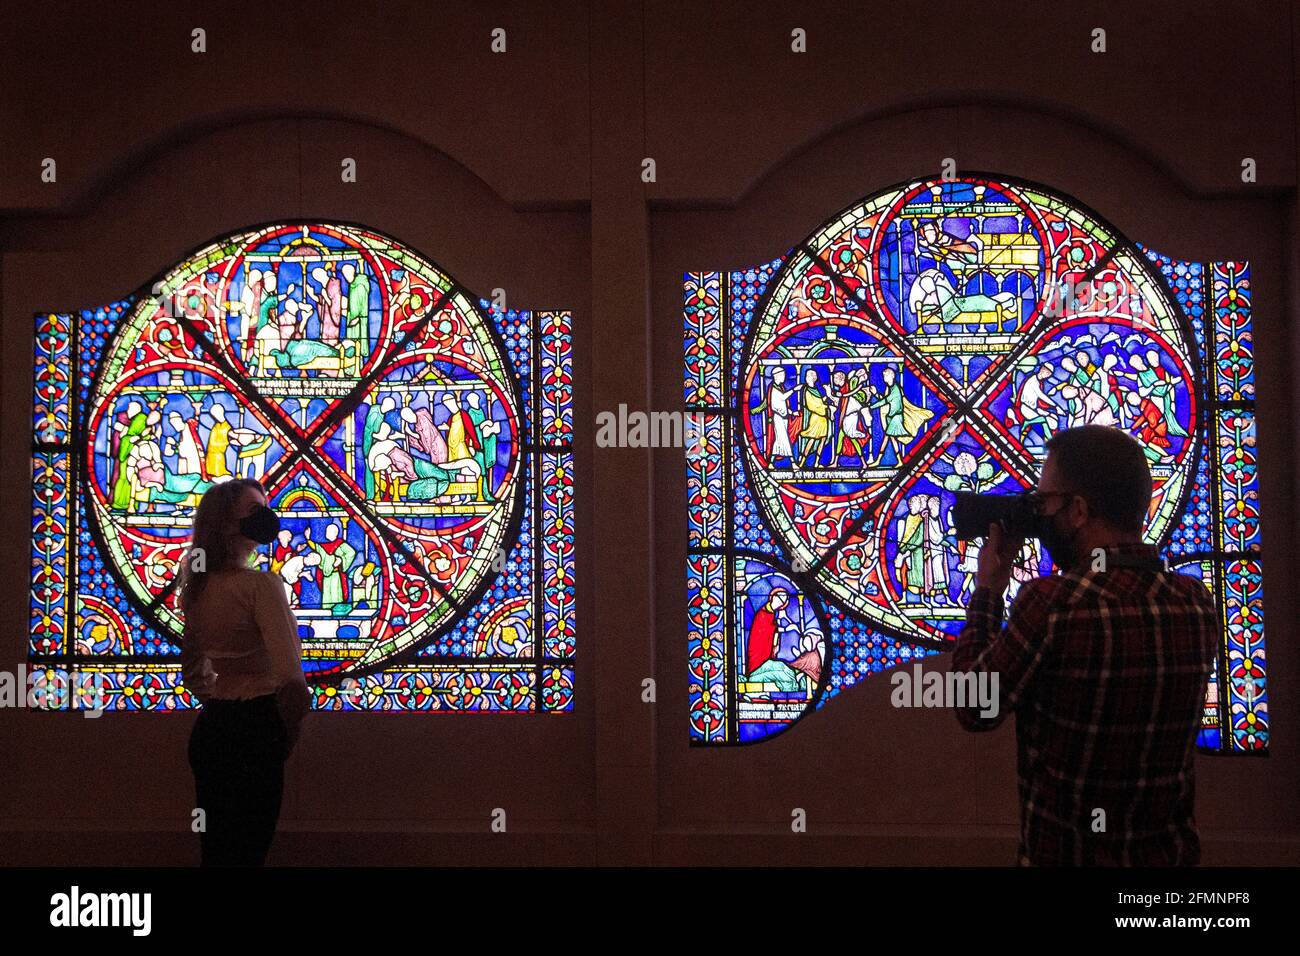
(942, 245)
(1109, 387)
(1164, 390)
(218, 441)
(281, 550)
(853, 439)
(329, 304)
(902, 420)
(487, 430)
(910, 560)
(816, 426)
(1151, 426)
(1105, 665)
(357, 316)
(1090, 404)
(127, 431)
(1074, 377)
(299, 567)
(250, 310)
(336, 558)
(422, 434)
(365, 585)
(381, 479)
(187, 446)
(778, 420)
(268, 308)
(1033, 404)
(375, 416)
(462, 436)
(936, 555)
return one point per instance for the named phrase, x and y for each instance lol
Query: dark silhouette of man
(1104, 664)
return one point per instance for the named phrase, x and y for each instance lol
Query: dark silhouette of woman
(242, 659)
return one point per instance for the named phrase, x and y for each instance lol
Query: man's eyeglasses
(1039, 498)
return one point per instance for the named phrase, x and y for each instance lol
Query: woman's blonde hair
(210, 544)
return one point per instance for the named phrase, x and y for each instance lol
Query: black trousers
(237, 751)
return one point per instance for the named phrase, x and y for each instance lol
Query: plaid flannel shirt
(1106, 672)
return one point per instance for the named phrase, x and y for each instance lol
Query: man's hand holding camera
(996, 559)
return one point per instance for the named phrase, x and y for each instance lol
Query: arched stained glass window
(415, 441)
(926, 341)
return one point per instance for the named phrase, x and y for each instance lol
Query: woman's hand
(207, 680)
(293, 701)
(202, 683)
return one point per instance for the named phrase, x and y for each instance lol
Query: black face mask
(262, 525)
(1059, 546)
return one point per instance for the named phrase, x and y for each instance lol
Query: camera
(1018, 515)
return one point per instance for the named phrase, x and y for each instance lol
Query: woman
(242, 659)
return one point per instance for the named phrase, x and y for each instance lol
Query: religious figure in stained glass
(415, 442)
(927, 341)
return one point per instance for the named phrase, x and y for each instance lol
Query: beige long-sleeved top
(242, 625)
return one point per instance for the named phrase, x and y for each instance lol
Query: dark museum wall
(522, 171)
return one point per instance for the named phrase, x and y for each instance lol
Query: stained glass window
(416, 442)
(926, 341)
